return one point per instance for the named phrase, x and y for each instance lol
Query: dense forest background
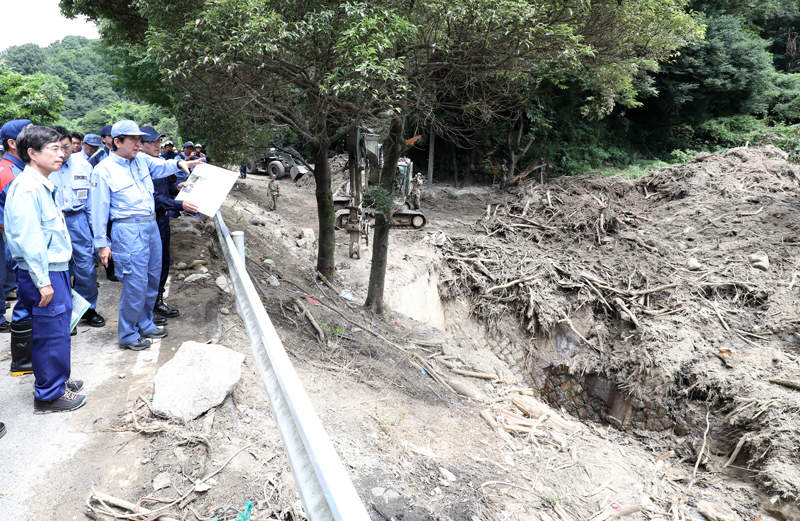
(72, 83)
(738, 84)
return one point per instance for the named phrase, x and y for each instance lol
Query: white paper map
(207, 187)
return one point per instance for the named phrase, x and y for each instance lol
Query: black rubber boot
(162, 309)
(21, 348)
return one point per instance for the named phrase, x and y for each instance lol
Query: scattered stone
(202, 487)
(378, 491)
(196, 276)
(161, 481)
(121, 375)
(390, 495)
(465, 389)
(258, 222)
(225, 311)
(307, 233)
(435, 492)
(446, 474)
(202, 269)
(197, 378)
(302, 243)
(181, 266)
(181, 276)
(693, 264)
(716, 511)
(759, 260)
(223, 283)
(273, 281)
(784, 510)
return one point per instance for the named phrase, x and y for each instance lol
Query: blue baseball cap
(92, 140)
(188, 144)
(126, 127)
(150, 134)
(106, 131)
(12, 129)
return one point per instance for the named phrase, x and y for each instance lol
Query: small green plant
(683, 156)
(550, 501)
(451, 196)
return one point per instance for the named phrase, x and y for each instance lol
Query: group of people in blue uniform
(63, 206)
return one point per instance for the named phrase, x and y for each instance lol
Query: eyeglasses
(56, 148)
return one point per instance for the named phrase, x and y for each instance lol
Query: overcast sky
(39, 22)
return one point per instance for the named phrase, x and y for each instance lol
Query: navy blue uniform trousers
(163, 230)
(50, 344)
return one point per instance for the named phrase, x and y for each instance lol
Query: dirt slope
(679, 289)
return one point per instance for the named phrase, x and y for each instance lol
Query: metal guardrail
(325, 488)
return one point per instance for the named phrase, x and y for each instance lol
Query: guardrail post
(238, 240)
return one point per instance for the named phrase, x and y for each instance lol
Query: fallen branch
(786, 383)
(736, 451)
(569, 323)
(485, 376)
(512, 283)
(310, 318)
(103, 498)
(621, 305)
(702, 450)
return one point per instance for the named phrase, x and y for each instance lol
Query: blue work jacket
(123, 188)
(36, 231)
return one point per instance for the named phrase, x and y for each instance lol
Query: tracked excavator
(364, 163)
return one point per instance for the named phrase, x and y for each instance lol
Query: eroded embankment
(644, 303)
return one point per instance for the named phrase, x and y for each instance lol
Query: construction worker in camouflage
(273, 191)
(416, 191)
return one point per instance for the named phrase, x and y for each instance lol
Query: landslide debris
(678, 288)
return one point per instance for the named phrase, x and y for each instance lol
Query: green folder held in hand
(79, 307)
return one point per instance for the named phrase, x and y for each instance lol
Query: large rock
(197, 378)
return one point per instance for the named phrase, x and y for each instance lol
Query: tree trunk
(393, 146)
(455, 164)
(325, 210)
(468, 174)
(432, 142)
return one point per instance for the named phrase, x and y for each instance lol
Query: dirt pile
(647, 303)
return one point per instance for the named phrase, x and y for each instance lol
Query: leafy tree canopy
(38, 97)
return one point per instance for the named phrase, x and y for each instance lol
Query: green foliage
(138, 112)
(77, 62)
(37, 97)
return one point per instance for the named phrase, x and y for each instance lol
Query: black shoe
(139, 345)
(93, 319)
(156, 333)
(159, 320)
(2, 429)
(8, 305)
(74, 386)
(162, 309)
(111, 276)
(11, 295)
(5, 327)
(74, 332)
(69, 401)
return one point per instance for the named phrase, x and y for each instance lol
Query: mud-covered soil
(430, 422)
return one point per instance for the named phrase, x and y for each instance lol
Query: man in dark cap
(91, 142)
(10, 167)
(164, 195)
(105, 137)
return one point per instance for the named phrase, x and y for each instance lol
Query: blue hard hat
(92, 139)
(126, 127)
(12, 129)
(150, 134)
(106, 131)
